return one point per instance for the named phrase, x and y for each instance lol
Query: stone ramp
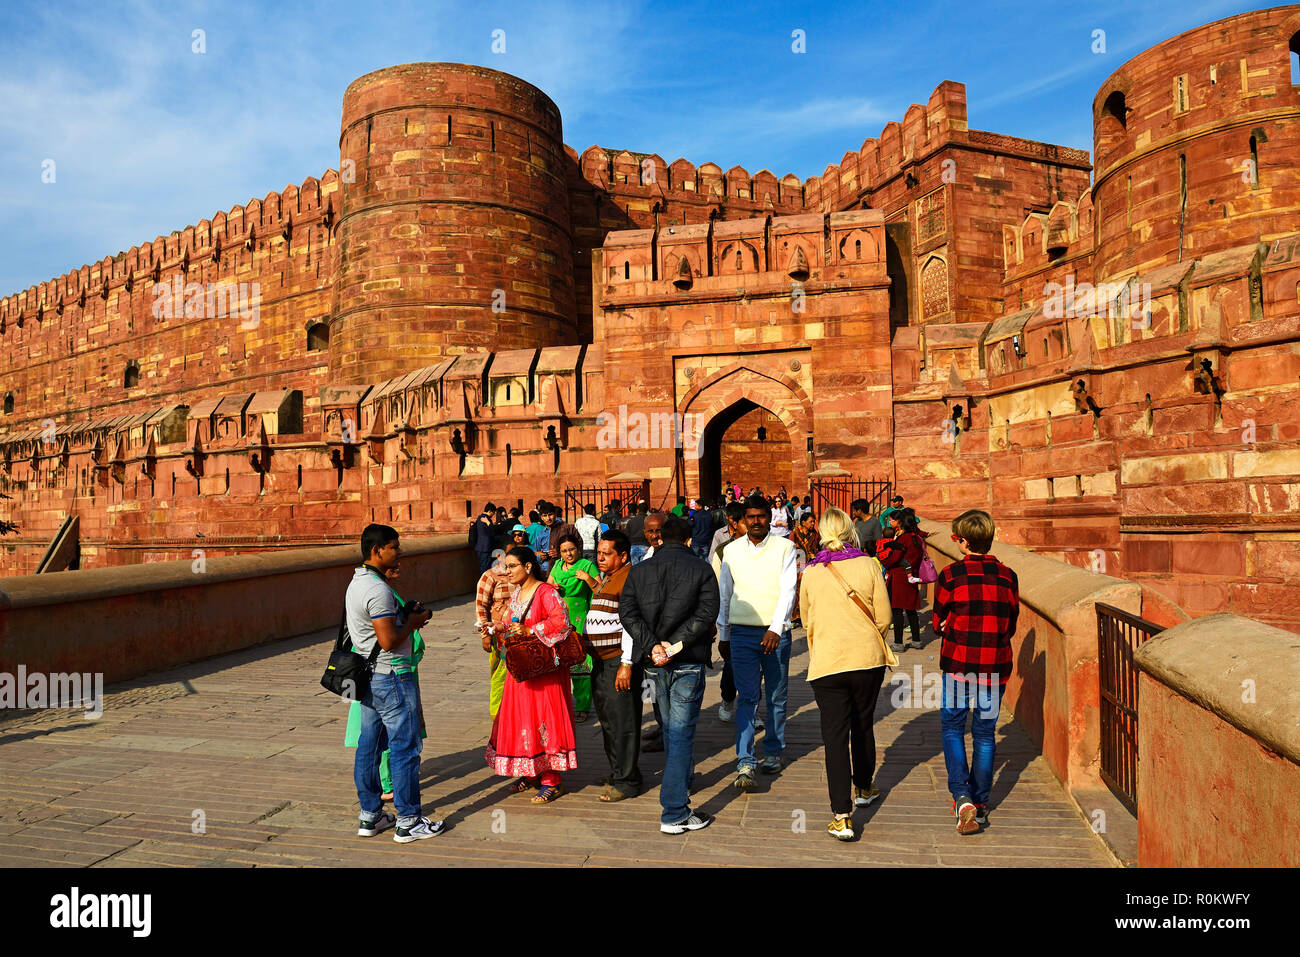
(247, 748)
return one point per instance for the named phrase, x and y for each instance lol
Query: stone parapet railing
(1219, 745)
(129, 620)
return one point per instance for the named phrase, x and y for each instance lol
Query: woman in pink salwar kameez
(533, 735)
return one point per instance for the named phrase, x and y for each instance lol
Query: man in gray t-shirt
(390, 709)
(369, 599)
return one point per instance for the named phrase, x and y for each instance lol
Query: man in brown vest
(616, 681)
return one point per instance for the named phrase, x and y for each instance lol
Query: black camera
(410, 608)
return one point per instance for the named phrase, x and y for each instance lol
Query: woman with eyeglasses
(533, 735)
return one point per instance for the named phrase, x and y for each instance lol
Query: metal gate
(1119, 634)
(839, 492)
(577, 497)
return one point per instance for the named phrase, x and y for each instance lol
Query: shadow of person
(918, 741)
(1022, 737)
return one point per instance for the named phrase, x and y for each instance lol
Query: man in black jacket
(483, 537)
(669, 606)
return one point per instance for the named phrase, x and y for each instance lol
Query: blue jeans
(679, 689)
(638, 553)
(390, 718)
(982, 702)
(749, 668)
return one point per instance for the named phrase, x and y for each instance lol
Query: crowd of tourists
(589, 616)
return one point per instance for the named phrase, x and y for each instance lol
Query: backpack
(473, 533)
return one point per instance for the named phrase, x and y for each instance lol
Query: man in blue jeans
(757, 575)
(668, 606)
(390, 709)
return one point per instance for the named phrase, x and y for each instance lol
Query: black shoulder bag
(348, 673)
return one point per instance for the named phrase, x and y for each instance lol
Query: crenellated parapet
(902, 147)
(216, 250)
(681, 190)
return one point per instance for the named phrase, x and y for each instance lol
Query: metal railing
(577, 497)
(839, 492)
(1119, 634)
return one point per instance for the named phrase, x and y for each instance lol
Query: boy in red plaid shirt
(976, 604)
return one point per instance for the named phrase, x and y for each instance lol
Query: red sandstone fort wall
(455, 225)
(917, 339)
(68, 341)
(1174, 132)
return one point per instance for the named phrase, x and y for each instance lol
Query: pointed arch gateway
(711, 409)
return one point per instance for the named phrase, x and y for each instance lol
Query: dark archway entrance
(898, 257)
(748, 445)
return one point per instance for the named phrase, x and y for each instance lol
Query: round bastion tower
(1196, 144)
(453, 201)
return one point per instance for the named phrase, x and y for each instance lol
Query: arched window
(857, 249)
(1254, 163)
(1295, 59)
(1116, 108)
(627, 269)
(131, 377)
(318, 337)
(740, 261)
(9, 403)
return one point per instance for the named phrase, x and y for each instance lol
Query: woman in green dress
(400, 666)
(575, 578)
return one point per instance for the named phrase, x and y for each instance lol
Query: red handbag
(528, 657)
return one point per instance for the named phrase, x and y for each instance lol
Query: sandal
(548, 794)
(581, 717)
(613, 794)
(522, 785)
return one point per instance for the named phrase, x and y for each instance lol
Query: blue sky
(148, 136)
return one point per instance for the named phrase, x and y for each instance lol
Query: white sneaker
(725, 713)
(421, 830)
(381, 823)
(697, 821)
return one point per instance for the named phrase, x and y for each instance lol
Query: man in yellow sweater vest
(757, 576)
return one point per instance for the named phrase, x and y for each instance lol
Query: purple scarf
(826, 556)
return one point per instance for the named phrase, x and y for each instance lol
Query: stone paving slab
(250, 744)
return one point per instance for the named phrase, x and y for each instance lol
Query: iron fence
(1119, 634)
(839, 492)
(577, 497)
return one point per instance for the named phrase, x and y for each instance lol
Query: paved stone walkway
(250, 747)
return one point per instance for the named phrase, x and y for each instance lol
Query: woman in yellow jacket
(847, 655)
